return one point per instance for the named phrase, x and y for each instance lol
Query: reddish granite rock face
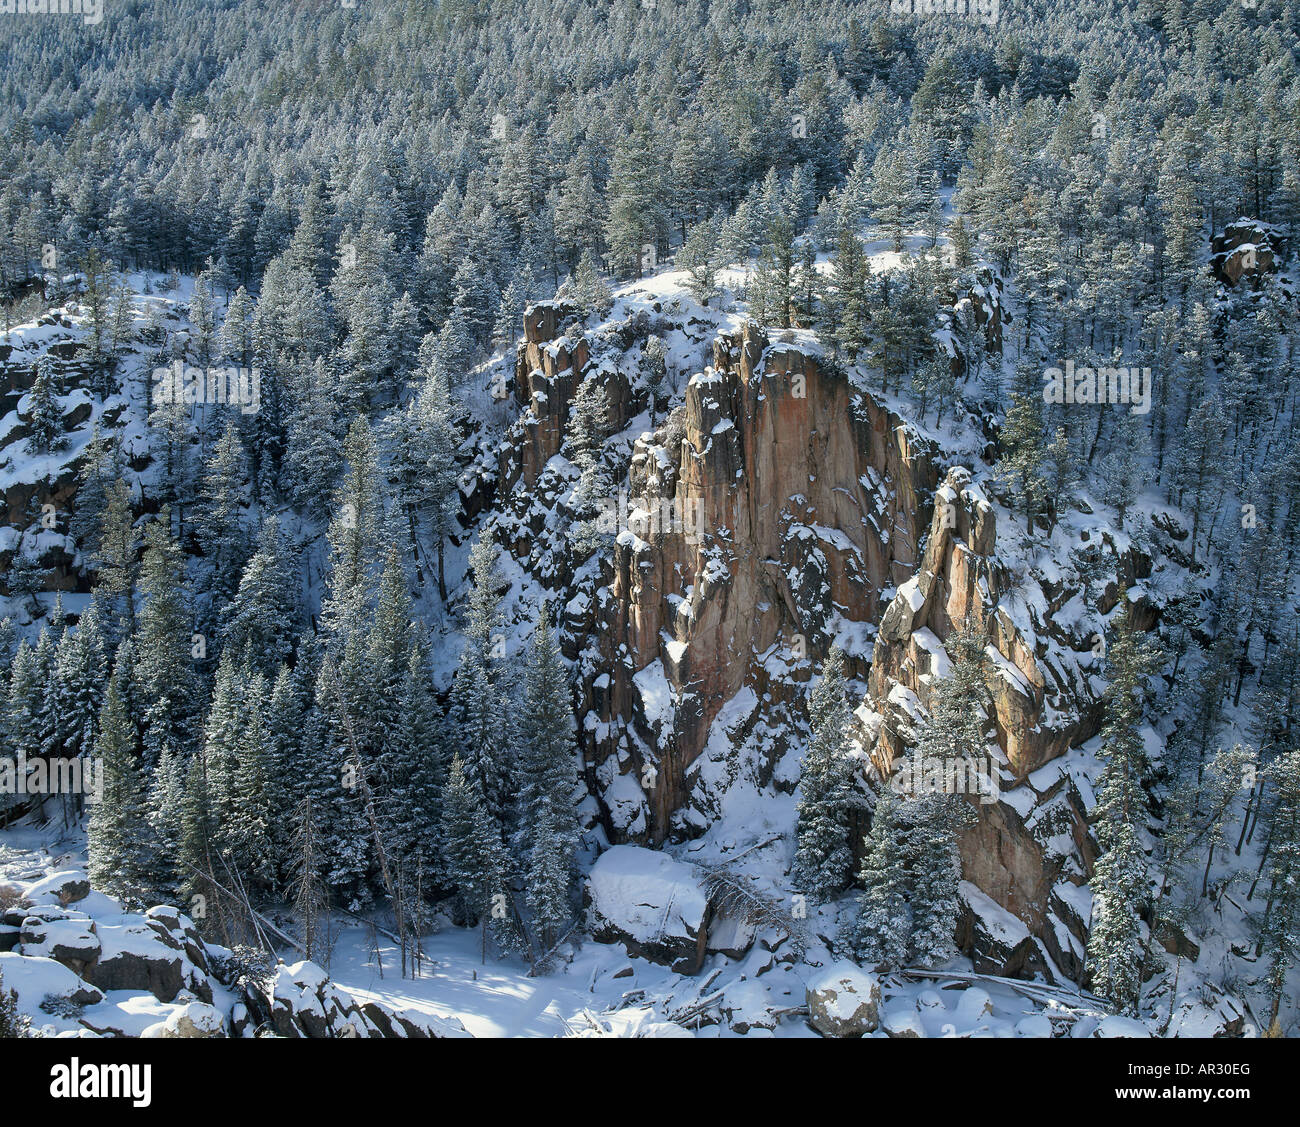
(1246, 248)
(796, 501)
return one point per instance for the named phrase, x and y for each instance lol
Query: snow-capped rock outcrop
(652, 903)
(105, 972)
(806, 513)
(794, 500)
(1027, 853)
(1245, 248)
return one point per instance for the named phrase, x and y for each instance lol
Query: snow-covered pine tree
(388, 646)
(167, 685)
(1119, 884)
(953, 739)
(656, 368)
(846, 301)
(314, 453)
(1279, 925)
(251, 831)
(121, 861)
(827, 788)
(418, 771)
(893, 190)
(25, 698)
(166, 800)
(344, 769)
(221, 528)
(588, 290)
(99, 468)
(637, 217)
(546, 830)
(45, 712)
(480, 712)
(222, 737)
(1198, 465)
(881, 933)
(199, 848)
(286, 782)
(509, 316)
(115, 564)
(352, 536)
(26, 578)
(701, 256)
(44, 415)
(235, 338)
(1124, 471)
(772, 300)
(585, 435)
(476, 862)
(439, 496)
(1020, 469)
(257, 626)
(80, 672)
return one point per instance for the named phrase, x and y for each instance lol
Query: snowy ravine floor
(597, 989)
(500, 1000)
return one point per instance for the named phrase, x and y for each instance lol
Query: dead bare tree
(732, 894)
(310, 899)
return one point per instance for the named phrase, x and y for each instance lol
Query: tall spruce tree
(168, 686)
(1120, 884)
(121, 860)
(476, 862)
(546, 783)
(827, 788)
(881, 933)
(1279, 925)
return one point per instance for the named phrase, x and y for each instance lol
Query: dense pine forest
(334, 333)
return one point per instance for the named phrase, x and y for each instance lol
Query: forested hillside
(470, 465)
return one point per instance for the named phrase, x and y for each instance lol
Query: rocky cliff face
(1030, 852)
(797, 500)
(776, 510)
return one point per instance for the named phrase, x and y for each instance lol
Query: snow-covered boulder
(181, 929)
(63, 888)
(652, 903)
(198, 1019)
(44, 986)
(1036, 1025)
(297, 1009)
(730, 936)
(301, 1001)
(72, 942)
(137, 953)
(747, 1007)
(1116, 1026)
(902, 1020)
(844, 1001)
